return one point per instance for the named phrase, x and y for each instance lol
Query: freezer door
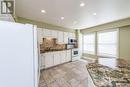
(17, 55)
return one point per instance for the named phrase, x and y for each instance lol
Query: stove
(75, 54)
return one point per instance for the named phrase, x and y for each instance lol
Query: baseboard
(88, 58)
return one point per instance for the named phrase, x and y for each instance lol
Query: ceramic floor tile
(42, 85)
(73, 82)
(85, 83)
(81, 85)
(54, 84)
(71, 74)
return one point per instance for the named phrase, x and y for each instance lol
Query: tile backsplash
(49, 44)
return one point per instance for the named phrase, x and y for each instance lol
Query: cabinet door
(66, 37)
(63, 56)
(40, 35)
(57, 59)
(72, 36)
(53, 33)
(60, 37)
(46, 33)
(68, 55)
(48, 60)
(42, 61)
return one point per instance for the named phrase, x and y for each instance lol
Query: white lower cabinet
(68, 55)
(57, 59)
(54, 58)
(48, 60)
(63, 56)
(42, 62)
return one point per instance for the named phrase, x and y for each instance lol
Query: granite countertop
(110, 72)
(46, 51)
(53, 50)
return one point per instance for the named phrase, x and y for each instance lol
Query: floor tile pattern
(72, 74)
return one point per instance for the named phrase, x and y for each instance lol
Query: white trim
(36, 66)
(92, 59)
(118, 44)
(96, 43)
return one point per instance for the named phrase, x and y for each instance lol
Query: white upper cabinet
(66, 37)
(50, 33)
(60, 37)
(46, 33)
(40, 35)
(72, 36)
(54, 33)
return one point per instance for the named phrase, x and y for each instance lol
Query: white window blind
(107, 43)
(89, 43)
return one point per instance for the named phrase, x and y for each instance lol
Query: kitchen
(57, 47)
(60, 43)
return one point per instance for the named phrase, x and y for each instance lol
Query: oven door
(75, 52)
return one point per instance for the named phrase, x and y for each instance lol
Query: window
(107, 43)
(89, 43)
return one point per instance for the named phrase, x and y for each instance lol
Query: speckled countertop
(53, 50)
(110, 72)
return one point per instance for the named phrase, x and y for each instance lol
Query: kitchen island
(109, 72)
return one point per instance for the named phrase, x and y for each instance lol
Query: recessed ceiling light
(62, 18)
(82, 4)
(43, 11)
(94, 13)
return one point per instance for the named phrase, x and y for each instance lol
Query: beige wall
(43, 25)
(124, 42)
(115, 24)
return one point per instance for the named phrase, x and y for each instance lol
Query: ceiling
(95, 12)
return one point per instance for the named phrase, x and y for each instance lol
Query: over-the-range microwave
(72, 41)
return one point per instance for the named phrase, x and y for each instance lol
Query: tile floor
(71, 74)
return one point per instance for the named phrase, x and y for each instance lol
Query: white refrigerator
(18, 55)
